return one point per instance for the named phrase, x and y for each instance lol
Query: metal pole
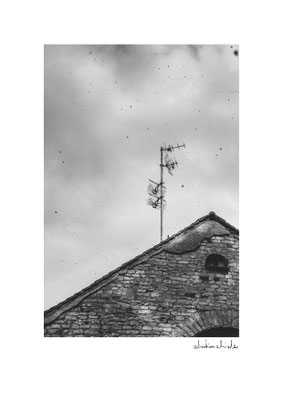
(161, 192)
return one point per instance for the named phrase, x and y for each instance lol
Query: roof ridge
(51, 314)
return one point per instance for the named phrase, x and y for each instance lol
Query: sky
(107, 111)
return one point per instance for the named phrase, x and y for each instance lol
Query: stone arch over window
(216, 262)
(220, 331)
(203, 321)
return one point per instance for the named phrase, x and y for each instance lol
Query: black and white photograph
(138, 139)
(141, 155)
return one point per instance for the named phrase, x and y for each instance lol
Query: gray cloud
(108, 109)
(195, 50)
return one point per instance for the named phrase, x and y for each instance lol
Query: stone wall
(163, 295)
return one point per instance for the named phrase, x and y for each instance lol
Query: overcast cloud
(108, 109)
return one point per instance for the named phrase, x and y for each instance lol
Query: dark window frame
(216, 262)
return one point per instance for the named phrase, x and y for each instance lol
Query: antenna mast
(157, 191)
(161, 192)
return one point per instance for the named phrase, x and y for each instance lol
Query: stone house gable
(169, 290)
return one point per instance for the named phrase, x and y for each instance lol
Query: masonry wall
(166, 295)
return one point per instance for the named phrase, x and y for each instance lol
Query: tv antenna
(157, 190)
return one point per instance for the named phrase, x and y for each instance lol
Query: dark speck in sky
(55, 212)
(220, 148)
(236, 53)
